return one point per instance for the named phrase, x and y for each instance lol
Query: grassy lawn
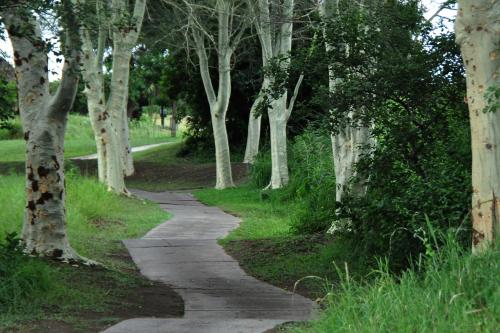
(32, 290)
(80, 139)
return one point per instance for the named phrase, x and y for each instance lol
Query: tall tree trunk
(279, 157)
(118, 99)
(254, 126)
(224, 176)
(275, 35)
(351, 141)
(173, 122)
(219, 101)
(477, 32)
(44, 118)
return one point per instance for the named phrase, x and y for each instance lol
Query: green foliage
(8, 102)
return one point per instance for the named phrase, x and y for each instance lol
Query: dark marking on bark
(477, 237)
(489, 146)
(17, 59)
(61, 194)
(31, 205)
(103, 130)
(57, 253)
(479, 28)
(46, 69)
(42, 80)
(34, 186)
(43, 172)
(57, 166)
(26, 135)
(100, 101)
(31, 175)
(46, 196)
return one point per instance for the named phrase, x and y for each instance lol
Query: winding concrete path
(219, 296)
(134, 150)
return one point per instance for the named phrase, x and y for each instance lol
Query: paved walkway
(219, 296)
(134, 150)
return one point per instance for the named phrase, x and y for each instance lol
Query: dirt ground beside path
(147, 300)
(158, 177)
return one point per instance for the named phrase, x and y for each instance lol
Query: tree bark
(44, 118)
(173, 122)
(477, 32)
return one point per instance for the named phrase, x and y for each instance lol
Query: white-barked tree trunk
(219, 101)
(44, 118)
(478, 34)
(275, 35)
(354, 139)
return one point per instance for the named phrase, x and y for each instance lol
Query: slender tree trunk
(254, 126)
(224, 177)
(173, 123)
(219, 101)
(350, 142)
(279, 157)
(477, 32)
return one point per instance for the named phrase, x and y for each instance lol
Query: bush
(312, 181)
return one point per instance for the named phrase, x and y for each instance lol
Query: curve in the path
(134, 150)
(219, 296)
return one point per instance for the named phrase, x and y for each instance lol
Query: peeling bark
(477, 31)
(44, 118)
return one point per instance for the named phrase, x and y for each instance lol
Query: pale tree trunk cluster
(350, 142)
(44, 118)
(477, 32)
(109, 115)
(276, 42)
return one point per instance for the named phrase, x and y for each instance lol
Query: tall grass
(449, 291)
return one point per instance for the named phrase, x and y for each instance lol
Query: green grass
(97, 221)
(79, 138)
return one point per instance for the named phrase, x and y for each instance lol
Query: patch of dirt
(148, 299)
(167, 176)
(247, 252)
